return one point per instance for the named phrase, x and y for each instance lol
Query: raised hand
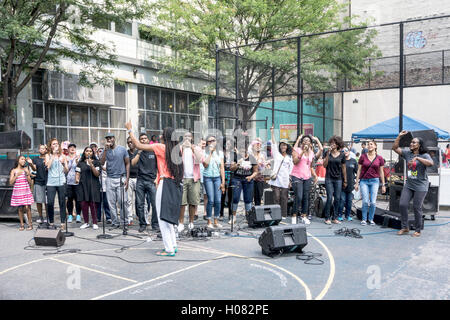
(128, 125)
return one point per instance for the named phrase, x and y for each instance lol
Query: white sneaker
(372, 223)
(39, 220)
(306, 221)
(191, 226)
(84, 226)
(180, 227)
(94, 226)
(363, 223)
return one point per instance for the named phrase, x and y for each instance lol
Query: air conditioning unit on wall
(61, 87)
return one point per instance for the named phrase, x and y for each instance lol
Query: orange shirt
(160, 151)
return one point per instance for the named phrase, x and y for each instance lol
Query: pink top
(302, 170)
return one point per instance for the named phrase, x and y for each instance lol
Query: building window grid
(69, 125)
(175, 114)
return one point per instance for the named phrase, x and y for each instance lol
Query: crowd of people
(153, 182)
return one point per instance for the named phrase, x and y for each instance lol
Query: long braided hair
(176, 170)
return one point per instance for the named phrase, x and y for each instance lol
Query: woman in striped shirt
(22, 196)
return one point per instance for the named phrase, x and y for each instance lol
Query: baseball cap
(109, 134)
(65, 145)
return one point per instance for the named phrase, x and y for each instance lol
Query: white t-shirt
(282, 180)
(188, 163)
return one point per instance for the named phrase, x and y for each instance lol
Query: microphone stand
(103, 235)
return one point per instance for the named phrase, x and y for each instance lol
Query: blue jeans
(346, 201)
(212, 186)
(334, 188)
(301, 192)
(369, 191)
(241, 184)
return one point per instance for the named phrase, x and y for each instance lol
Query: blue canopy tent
(389, 129)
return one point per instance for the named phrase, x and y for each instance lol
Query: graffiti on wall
(415, 39)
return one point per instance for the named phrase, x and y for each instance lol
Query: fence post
(401, 84)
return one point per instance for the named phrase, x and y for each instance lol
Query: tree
(194, 28)
(39, 33)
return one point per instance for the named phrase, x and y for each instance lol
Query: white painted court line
(154, 279)
(93, 270)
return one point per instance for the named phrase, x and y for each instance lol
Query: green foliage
(194, 28)
(39, 33)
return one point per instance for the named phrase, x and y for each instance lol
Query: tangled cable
(310, 258)
(352, 233)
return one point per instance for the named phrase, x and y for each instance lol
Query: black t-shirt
(246, 167)
(147, 168)
(89, 183)
(133, 169)
(334, 168)
(352, 168)
(41, 172)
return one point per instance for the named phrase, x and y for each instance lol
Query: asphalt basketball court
(380, 265)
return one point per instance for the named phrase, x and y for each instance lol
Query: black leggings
(258, 192)
(72, 196)
(51, 193)
(418, 197)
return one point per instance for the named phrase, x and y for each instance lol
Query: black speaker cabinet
(15, 140)
(263, 216)
(49, 237)
(429, 138)
(435, 156)
(283, 239)
(390, 219)
(430, 203)
(268, 197)
(6, 210)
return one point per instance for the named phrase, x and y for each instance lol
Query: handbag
(274, 176)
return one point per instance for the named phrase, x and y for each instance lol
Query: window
(167, 101)
(118, 118)
(50, 114)
(161, 108)
(152, 121)
(61, 115)
(181, 102)
(194, 104)
(38, 110)
(124, 28)
(120, 95)
(37, 85)
(102, 24)
(152, 99)
(78, 116)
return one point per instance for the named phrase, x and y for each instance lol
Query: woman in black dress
(88, 171)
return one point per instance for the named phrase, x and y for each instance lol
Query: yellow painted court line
(154, 279)
(332, 269)
(93, 270)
